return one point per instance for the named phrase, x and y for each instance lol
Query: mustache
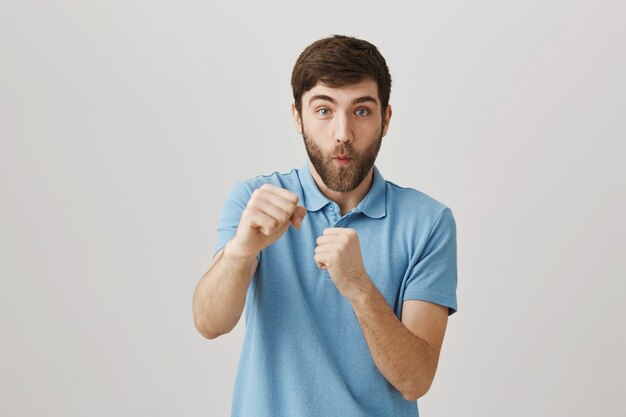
(343, 150)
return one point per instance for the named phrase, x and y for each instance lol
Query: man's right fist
(267, 216)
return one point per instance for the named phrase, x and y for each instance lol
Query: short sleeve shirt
(304, 353)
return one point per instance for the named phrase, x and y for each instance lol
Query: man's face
(342, 129)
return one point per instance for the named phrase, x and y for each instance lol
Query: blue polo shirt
(303, 352)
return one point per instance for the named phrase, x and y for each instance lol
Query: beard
(342, 178)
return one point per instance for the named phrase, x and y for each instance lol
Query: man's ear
(387, 119)
(297, 120)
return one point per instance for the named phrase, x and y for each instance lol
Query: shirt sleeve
(236, 202)
(434, 277)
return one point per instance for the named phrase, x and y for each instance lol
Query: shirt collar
(373, 204)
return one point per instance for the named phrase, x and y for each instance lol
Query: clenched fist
(267, 216)
(338, 251)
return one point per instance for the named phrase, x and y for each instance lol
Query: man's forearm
(220, 296)
(405, 360)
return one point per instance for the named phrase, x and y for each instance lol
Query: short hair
(337, 61)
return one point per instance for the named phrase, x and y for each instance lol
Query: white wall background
(123, 124)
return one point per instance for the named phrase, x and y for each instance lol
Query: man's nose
(343, 128)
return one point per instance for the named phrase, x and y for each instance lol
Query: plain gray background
(123, 125)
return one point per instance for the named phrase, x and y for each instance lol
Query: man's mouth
(343, 159)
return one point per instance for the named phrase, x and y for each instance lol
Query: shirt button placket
(333, 216)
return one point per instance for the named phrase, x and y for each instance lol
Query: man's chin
(342, 186)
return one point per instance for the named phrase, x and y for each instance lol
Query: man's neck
(346, 200)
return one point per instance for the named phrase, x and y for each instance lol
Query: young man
(347, 279)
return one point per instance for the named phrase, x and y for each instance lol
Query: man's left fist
(339, 252)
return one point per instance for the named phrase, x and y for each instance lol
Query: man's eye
(362, 112)
(323, 112)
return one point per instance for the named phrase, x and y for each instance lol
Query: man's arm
(220, 296)
(406, 352)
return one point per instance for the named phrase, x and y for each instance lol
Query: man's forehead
(366, 87)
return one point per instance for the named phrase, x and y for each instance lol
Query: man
(347, 279)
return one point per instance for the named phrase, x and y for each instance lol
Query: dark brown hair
(337, 61)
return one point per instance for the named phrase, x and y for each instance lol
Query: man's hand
(339, 252)
(267, 216)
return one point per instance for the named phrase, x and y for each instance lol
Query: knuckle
(283, 217)
(253, 204)
(248, 211)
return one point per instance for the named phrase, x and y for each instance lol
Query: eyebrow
(364, 99)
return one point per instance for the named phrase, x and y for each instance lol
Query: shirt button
(332, 207)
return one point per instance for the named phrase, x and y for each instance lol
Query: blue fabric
(303, 352)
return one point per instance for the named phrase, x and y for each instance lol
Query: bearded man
(347, 279)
